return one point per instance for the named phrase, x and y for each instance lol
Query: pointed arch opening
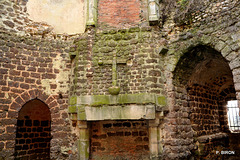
(205, 80)
(33, 133)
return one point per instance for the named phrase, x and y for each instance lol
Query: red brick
(29, 80)
(53, 104)
(9, 121)
(25, 96)
(41, 70)
(3, 82)
(25, 74)
(24, 86)
(4, 137)
(5, 101)
(20, 68)
(3, 71)
(114, 14)
(11, 129)
(33, 69)
(32, 94)
(49, 100)
(35, 75)
(10, 144)
(12, 114)
(20, 101)
(8, 65)
(13, 84)
(1, 145)
(53, 86)
(48, 76)
(20, 79)
(15, 106)
(5, 88)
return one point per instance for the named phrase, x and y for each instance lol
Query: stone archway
(202, 75)
(33, 133)
(29, 96)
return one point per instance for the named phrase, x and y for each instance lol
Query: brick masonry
(107, 136)
(121, 14)
(29, 70)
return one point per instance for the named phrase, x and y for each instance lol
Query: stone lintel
(115, 107)
(120, 112)
(99, 100)
(132, 111)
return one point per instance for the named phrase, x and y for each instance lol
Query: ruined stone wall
(220, 31)
(13, 16)
(32, 63)
(32, 67)
(117, 139)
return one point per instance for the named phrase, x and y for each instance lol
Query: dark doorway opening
(119, 139)
(33, 131)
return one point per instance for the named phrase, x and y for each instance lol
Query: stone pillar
(154, 139)
(153, 10)
(83, 141)
(91, 12)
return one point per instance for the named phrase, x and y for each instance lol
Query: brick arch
(33, 134)
(231, 55)
(186, 96)
(178, 96)
(212, 42)
(28, 95)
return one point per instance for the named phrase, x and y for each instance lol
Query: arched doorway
(33, 131)
(208, 83)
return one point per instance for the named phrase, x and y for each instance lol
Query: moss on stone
(72, 109)
(117, 37)
(114, 90)
(161, 100)
(141, 98)
(73, 100)
(81, 116)
(100, 100)
(83, 149)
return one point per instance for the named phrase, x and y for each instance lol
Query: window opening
(233, 116)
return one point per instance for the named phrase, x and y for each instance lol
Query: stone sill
(212, 137)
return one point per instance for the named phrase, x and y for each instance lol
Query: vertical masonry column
(83, 141)
(91, 12)
(33, 131)
(153, 139)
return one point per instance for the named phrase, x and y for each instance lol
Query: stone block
(162, 50)
(120, 112)
(219, 46)
(225, 51)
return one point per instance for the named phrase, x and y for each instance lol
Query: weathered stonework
(125, 88)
